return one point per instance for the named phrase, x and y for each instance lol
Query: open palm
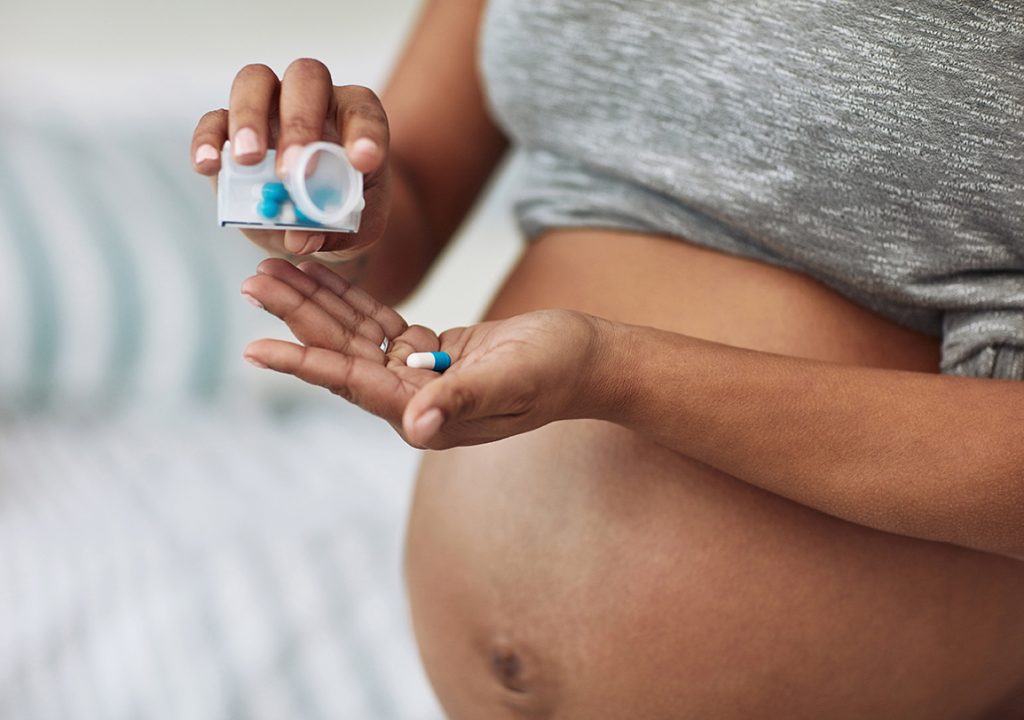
(506, 377)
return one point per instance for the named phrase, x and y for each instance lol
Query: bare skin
(582, 571)
(586, 570)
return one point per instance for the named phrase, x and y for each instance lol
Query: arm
(933, 457)
(444, 146)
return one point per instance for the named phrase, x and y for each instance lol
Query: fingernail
(253, 301)
(364, 147)
(288, 159)
(255, 363)
(428, 423)
(312, 245)
(245, 143)
(206, 152)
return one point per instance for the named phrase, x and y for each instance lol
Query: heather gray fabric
(875, 146)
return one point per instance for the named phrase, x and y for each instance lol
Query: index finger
(367, 384)
(207, 140)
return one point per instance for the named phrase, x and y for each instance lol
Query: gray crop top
(875, 146)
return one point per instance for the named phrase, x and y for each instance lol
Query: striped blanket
(181, 536)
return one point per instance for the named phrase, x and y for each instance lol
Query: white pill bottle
(322, 191)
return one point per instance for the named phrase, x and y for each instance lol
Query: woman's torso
(580, 571)
(876, 147)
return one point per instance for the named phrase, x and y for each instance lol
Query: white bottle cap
(323, 184)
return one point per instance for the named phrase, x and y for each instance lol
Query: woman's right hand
(303, 107)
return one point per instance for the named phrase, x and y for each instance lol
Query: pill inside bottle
(323, 185)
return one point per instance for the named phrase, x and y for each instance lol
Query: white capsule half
(436, 361)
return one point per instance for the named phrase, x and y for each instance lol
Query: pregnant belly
(581, 571)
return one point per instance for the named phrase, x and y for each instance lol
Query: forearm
(444, 146)
(929, 456)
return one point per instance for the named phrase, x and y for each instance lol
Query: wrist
(641, 372)
(612, 383)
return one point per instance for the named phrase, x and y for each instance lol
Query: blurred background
(182, 535)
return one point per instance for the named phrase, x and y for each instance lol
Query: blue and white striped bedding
(116, 285)
(181, 535)
(205, 567)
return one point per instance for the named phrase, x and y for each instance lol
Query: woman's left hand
(506, 377)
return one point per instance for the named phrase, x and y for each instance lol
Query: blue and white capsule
(436, 361)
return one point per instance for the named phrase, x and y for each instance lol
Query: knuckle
(369, 328)
(343, 343)
(342, 391)
(246, 106)
(309, 66)
(255, 71)
(306, 368)
(342, 386)
(344, 290)
(360, 94)
(292, 312)
(463, 401)
(344, 286)
(367, 113)
(305, 362)
(296, 126)
(376, 307)
(448, 336)
(328, 299)
(213, 116)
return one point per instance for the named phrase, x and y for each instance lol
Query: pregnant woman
(742, 434)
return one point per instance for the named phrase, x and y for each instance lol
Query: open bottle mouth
(323, 184)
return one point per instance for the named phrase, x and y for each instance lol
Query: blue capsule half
(269, 209)
(274, 191)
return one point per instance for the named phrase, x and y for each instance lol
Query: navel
(524, 683)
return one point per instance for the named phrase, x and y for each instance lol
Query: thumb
(455, 397)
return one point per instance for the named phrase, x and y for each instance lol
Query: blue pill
(325, 197)
(269, 209)
(436, 361)
(301, 219)
(275, 191)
